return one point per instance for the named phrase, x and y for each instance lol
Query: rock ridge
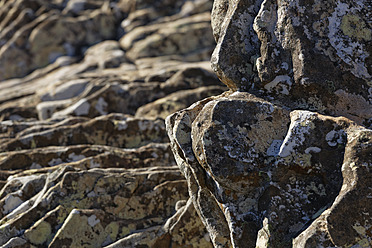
(85, 87)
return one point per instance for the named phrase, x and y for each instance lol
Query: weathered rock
(137, 204)
(347, 221)
(113, 130)
(300, 54)
(30, 47)
(282, 158)
(77, 169)
(279, 173)
(176, 101)
(183, 229)
(190, 35)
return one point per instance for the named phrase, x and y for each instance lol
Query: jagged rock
(279, 160)
(183, 225)
(189, 35)
(280, 171)
(73, 156)
(114, 130)
(30, 47)
(347, 221)
(153, 154)
(300, 54)
(176, 101)
(137, 203)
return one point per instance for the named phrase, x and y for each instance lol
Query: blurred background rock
(85, 86)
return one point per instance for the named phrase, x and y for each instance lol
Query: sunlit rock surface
(284, 158)
(85, 86)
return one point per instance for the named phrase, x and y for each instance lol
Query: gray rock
(286, 53)
(282, 160)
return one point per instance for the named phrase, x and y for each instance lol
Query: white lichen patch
(92, 220)
(101, 106)
(312, 150)
(348, 34)
(334, 137)
(282, 84)
(11, 203)
(274, 148)
(121, 125)
(300, 125)
(73, 157)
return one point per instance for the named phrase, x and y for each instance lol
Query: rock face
(85, 86)
(284, 158)
(311, 55)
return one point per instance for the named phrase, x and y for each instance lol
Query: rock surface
(85, 86)
(284, 158)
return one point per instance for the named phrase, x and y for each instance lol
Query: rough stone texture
(311, 55)
(85, 86)
(280, 171)
(284, 158)
(281, 160)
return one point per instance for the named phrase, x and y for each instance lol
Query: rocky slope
(85, 87)
(284, 159)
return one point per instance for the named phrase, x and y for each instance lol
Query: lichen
(40, 234)
(354, 26)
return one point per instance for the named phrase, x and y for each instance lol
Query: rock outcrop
(85, 86)
(284, 158)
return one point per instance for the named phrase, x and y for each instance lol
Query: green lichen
(112, 229)
(125, 230)
(354, 26)
(33, 144)
(40, 234)
(62, 215)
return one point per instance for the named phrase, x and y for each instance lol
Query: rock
(190, 78)
(284, 158)
(90, 189)
(176, 101)
(73, 155)
(185, 36)
(285, 53)
(114, 130)
(275, 180)
(183, 225)
(354, 228)
(31, 48)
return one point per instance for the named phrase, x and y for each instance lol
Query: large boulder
(260, 175)
(284, 158)
(305, 55)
